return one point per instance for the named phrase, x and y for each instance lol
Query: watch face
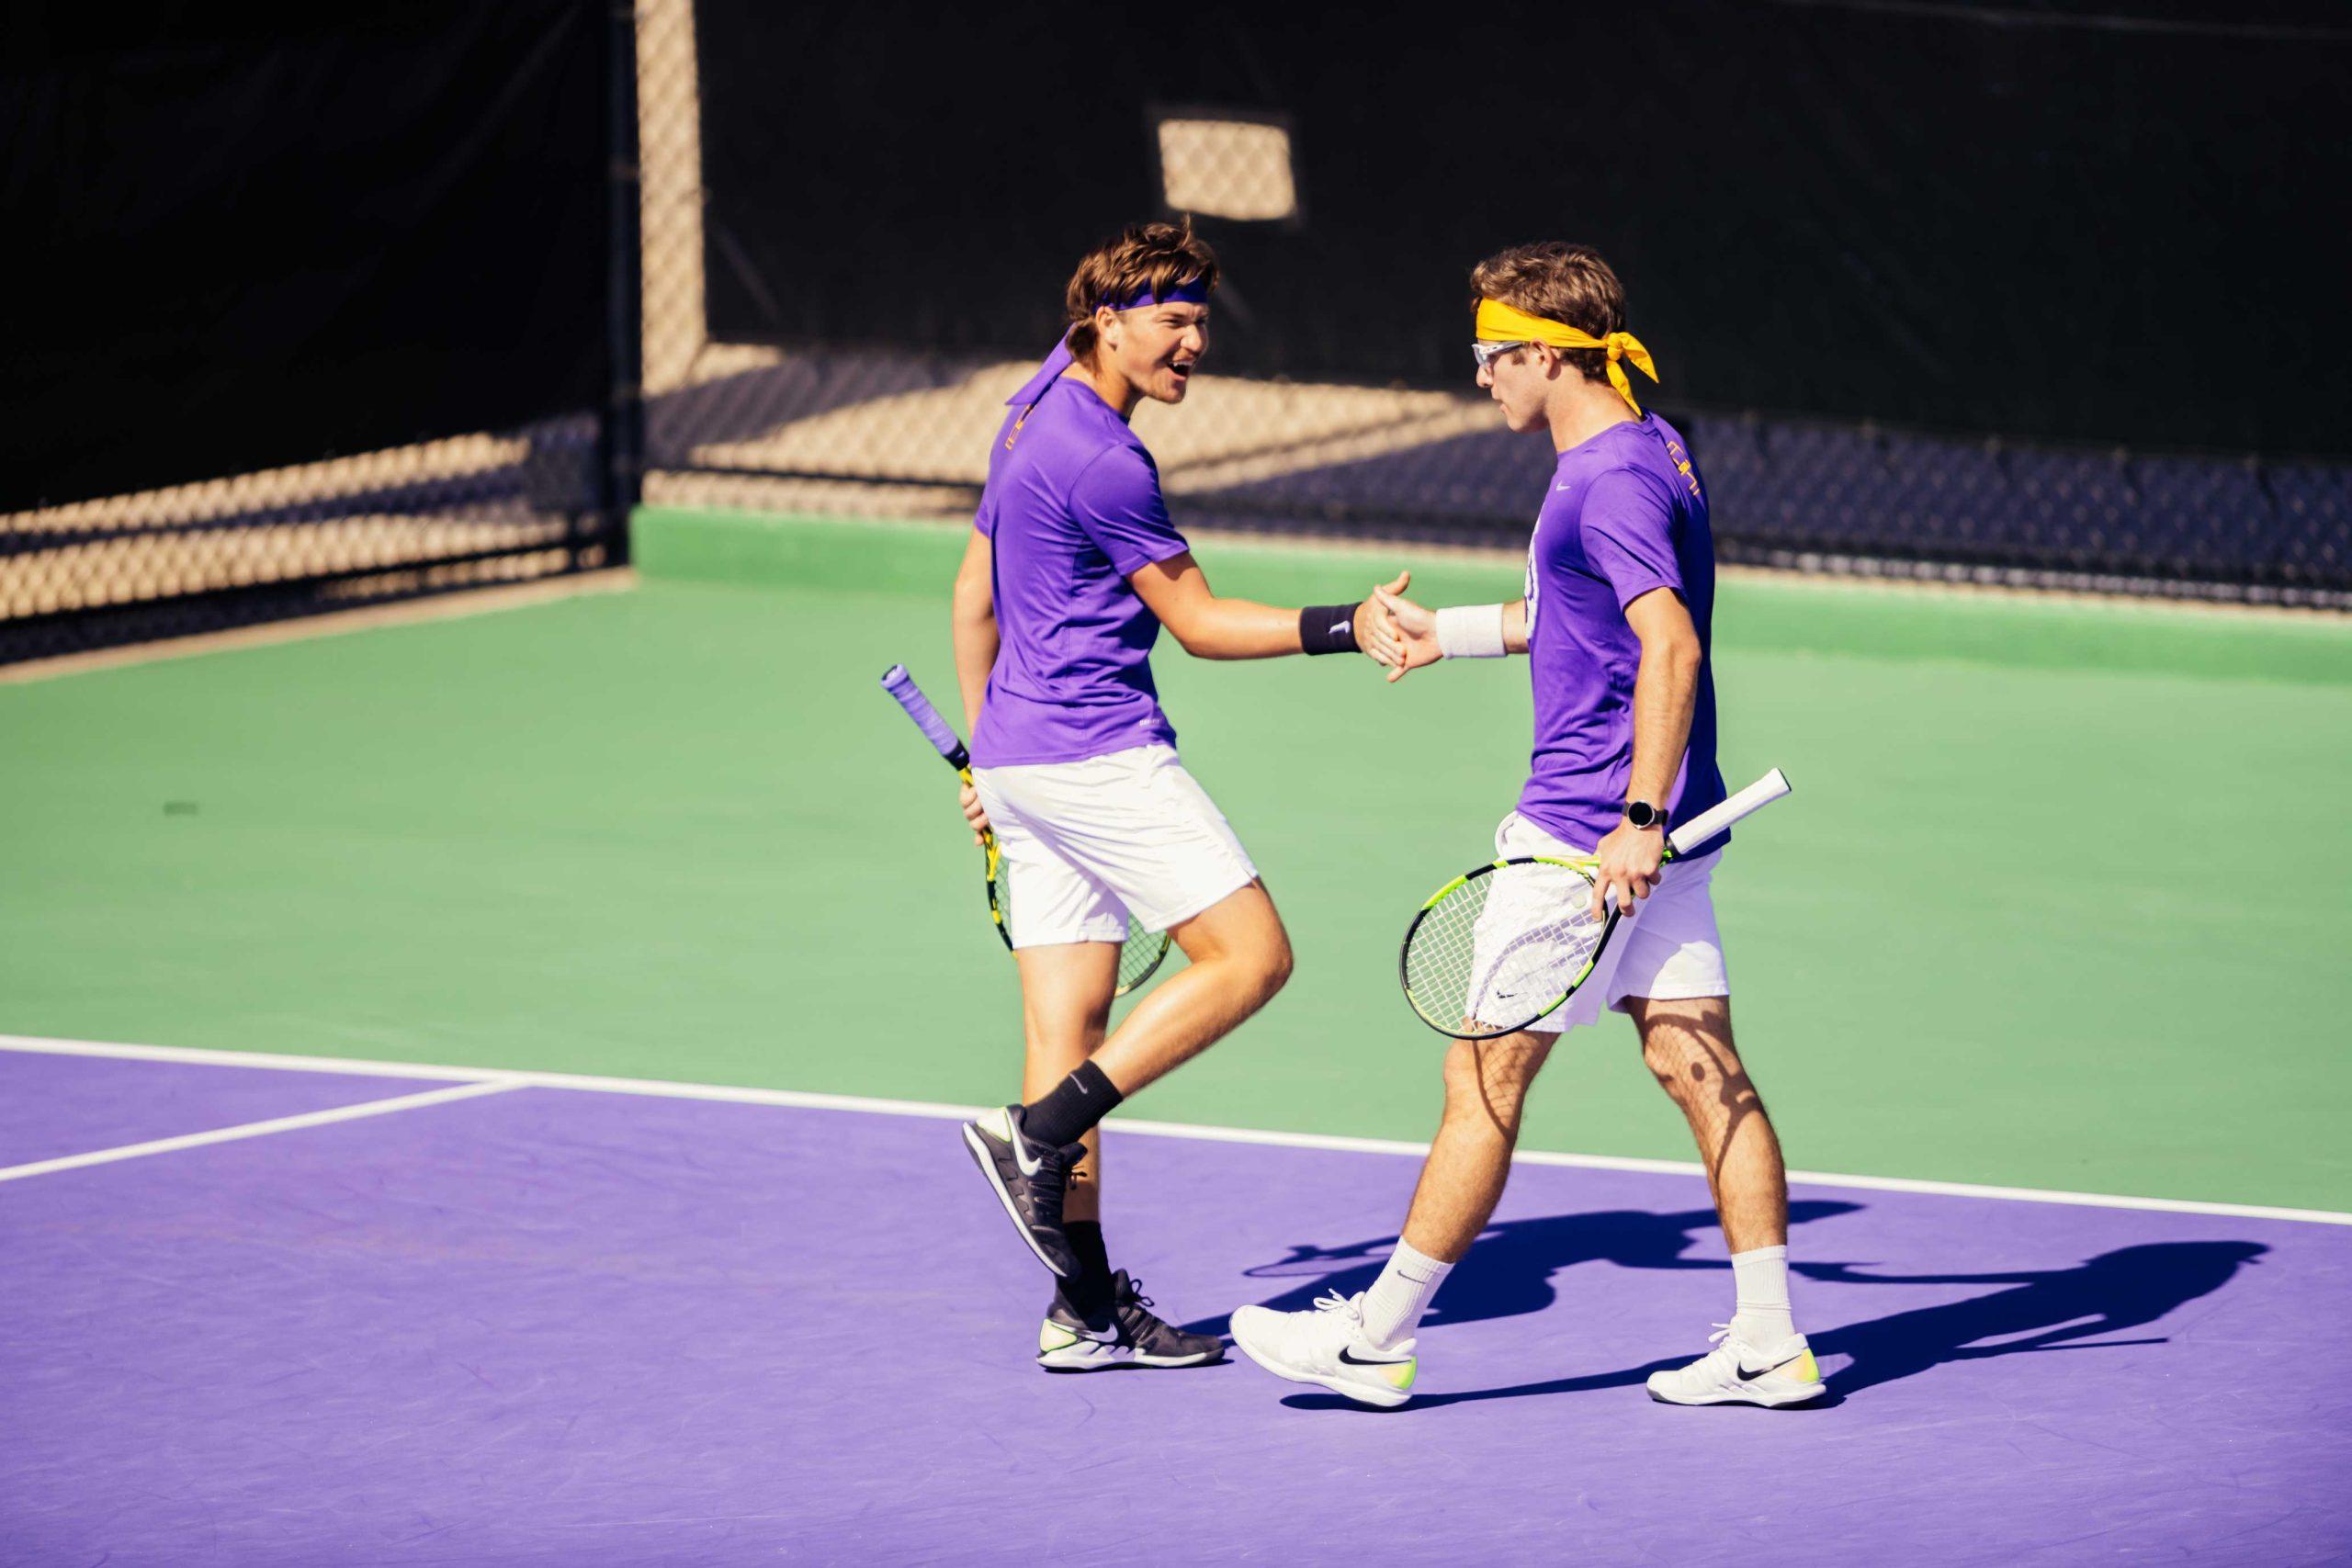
(1642, 814)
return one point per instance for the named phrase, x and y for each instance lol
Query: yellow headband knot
(1499, 322)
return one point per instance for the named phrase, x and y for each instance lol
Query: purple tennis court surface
(553, 1327)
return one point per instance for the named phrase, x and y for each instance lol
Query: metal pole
(621, 434)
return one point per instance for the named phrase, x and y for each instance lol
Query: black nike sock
(1089, 1295)
(1070, 1109)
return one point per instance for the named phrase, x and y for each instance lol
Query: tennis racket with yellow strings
(1138, 958)
(1503, 945)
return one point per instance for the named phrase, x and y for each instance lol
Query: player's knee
(1485, 1083)
(1264, 961)
(1671, 1067)
(1276, 964)
(1460, 1072)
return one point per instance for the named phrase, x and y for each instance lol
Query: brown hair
(1158, 254)
(1565, 283)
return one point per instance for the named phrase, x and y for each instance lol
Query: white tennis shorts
(1666, 949)
(1086, 842)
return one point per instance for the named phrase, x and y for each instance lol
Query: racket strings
(1140, 955)
(1498, 951)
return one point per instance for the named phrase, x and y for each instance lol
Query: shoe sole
(1760, 1401)
(986, 1161)
(1381, 1399)
(1113, 1363)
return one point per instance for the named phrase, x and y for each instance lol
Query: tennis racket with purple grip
(1138, 958)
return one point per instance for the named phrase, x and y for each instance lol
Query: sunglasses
(1486, 354)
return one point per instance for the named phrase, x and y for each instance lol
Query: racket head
(1139, 955)
(1503, 945)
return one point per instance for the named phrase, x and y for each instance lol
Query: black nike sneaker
(1129, 1334)
(1029, 1180)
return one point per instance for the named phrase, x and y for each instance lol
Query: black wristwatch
(1642, 814)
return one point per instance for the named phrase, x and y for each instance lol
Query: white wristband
(1471, 631)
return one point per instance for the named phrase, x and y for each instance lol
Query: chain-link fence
(885, 420)
(470, 512)
(876, 426)
(337, 276)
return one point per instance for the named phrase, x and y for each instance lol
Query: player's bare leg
(1362, 1347)
(1760, 1359)
(1687, 1045)
(1099, 1317)
(1461, 1180)
(1066, 994)
(1239, 958)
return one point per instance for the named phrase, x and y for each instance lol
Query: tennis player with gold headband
(1072, 568)
(1620, 593)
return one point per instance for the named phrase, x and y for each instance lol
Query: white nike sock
(1393, 1306)
(1761, 1316)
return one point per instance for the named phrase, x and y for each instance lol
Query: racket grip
(1715, 819)
(902, 685)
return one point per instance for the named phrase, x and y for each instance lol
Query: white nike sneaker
(1736, 1372)
(1328, 1346)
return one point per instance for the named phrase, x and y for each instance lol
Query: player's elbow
(1272, 969)
(1280, 964)
(973, 601)
(1196, 635)
(1662, 624)
(1673, 646)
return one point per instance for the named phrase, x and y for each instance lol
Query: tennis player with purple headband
(1620, 594)
(1072, 568)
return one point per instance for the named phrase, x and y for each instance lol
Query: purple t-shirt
(1072, 507)
(1627, 515)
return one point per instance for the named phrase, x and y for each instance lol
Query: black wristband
(1328, 628)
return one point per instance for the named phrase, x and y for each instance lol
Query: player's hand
(1410, 633)
(1374, 637)
(1630, 858)
(974, 813)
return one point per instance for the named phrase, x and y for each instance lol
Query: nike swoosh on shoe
(1749, 1374)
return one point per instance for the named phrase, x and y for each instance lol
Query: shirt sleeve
(1628, 531)
(985, 518)
(1117, 502)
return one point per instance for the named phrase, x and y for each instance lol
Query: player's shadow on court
(1509, 1271)
(2077, 1308)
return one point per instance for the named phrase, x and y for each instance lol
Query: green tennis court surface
(2060, 900)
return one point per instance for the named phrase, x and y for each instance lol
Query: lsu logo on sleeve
(1682, 465)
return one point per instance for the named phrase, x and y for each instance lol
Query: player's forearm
(1177, 591)
(1239, 628)
(1515, 627)
(1666, 688)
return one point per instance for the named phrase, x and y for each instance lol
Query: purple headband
(1194, 292)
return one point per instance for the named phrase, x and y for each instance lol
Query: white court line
(805, 1101)
(473, 1091)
